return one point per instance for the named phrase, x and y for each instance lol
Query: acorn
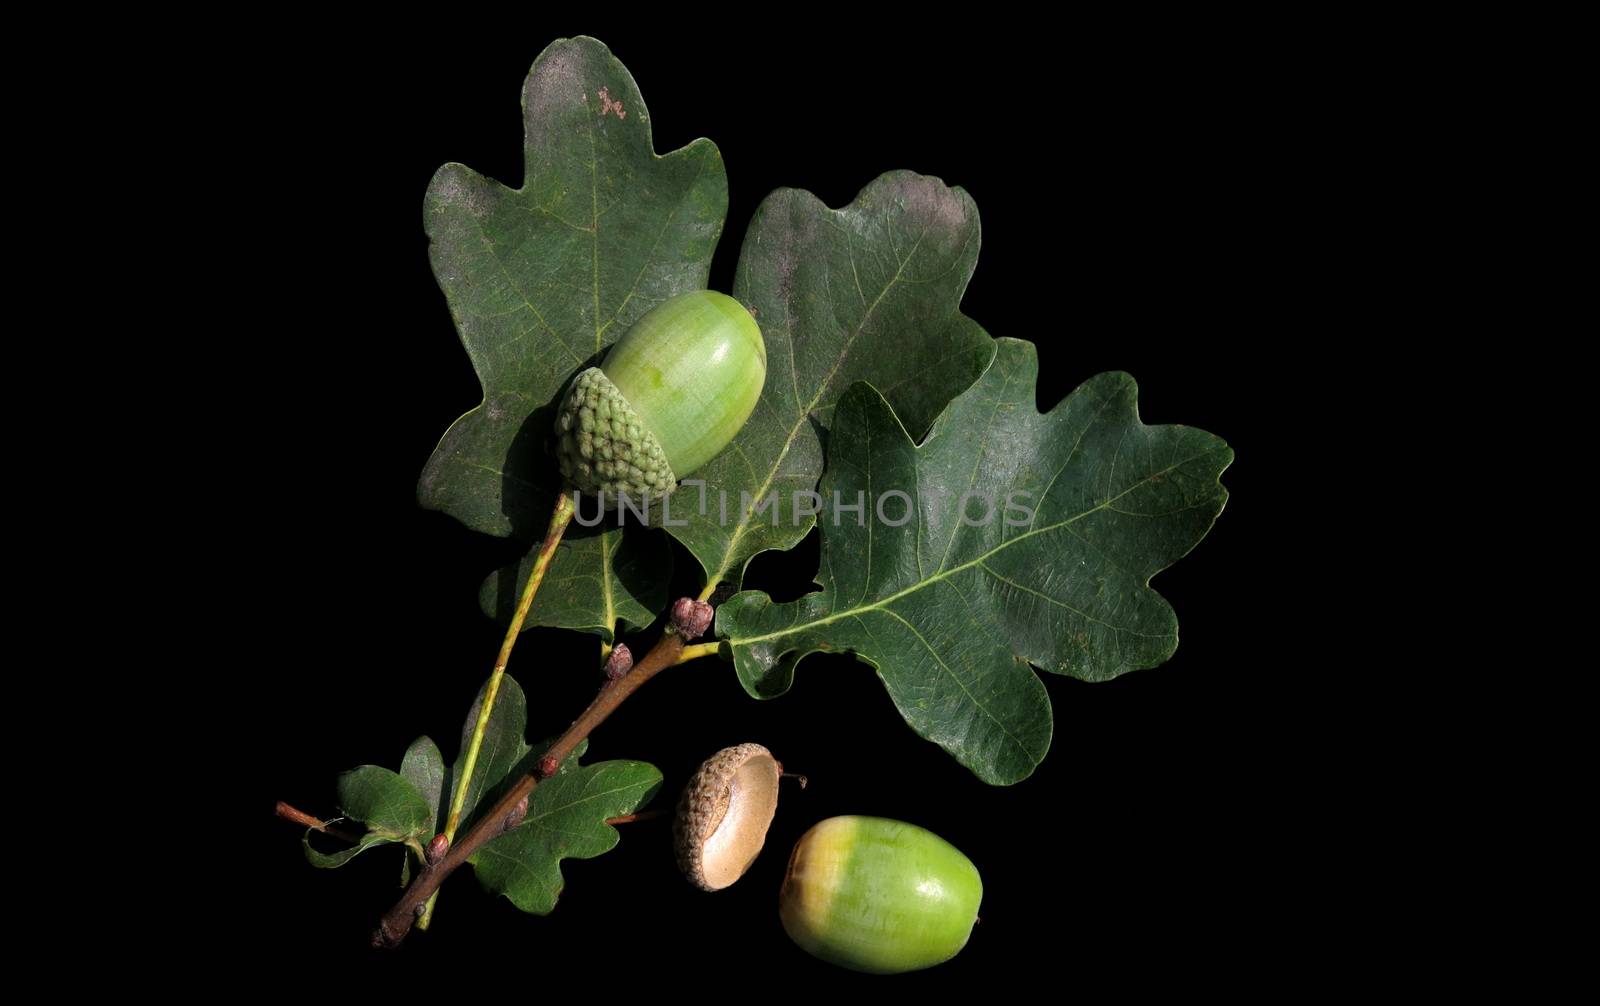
(724, 814)
(670, 395)
(880, 896)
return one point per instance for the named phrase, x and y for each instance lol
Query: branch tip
(300, 817)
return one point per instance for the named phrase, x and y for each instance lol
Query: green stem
(698, 650)
(552, 537)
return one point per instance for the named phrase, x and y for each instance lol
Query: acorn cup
(724, 814)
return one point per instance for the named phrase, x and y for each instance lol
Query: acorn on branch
(671, 394)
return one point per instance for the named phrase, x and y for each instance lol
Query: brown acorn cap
(724, 814)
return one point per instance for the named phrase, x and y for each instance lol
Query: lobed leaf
(566, 820)
(868, 292)
(387, 803)
(951, 612)
(540, 280)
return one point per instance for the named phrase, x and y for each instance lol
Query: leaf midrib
(728, 554)
(594, 222)
(587, 798)
(945, 574)
(492, 850)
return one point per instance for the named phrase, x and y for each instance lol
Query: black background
(1147, 205)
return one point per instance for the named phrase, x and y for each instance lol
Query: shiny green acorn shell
(880, 896)
(670, 395)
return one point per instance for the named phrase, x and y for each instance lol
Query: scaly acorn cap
(724, 814)
(605, 446)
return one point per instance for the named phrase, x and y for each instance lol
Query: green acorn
(670, 395)
(880, 896)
